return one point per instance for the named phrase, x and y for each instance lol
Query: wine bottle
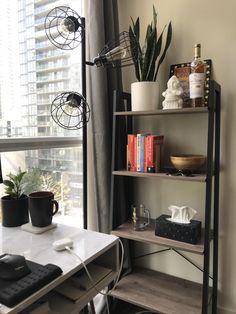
(197, 79)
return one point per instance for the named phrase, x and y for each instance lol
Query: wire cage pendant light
(64, 28)
(119, 52)
(70, 110)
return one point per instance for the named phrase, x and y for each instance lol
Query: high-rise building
(46, 71)
(9, 74)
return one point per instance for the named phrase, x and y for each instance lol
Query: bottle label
(196, 85)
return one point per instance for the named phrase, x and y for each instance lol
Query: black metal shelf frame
(213, 154)
(122, 103)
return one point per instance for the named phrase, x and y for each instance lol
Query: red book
(154, 152)
(145, 152)
(135, 153)
(131, 152)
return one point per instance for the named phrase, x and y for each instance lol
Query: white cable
(142, 312)
(88, 274)
(107, 305)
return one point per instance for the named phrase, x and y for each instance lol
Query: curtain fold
(101, 26)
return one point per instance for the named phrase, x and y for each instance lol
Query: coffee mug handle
(56, 207)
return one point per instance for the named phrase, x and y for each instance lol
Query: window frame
(14, 144)
(40, 142)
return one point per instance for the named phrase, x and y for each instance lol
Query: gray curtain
(101, 27)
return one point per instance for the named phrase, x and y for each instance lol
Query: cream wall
(213, 24)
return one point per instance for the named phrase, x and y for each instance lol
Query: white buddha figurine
(173, 94)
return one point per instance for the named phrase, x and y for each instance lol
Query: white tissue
(181, 214)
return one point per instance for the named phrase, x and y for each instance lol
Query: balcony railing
(50, 54)
(39, 21)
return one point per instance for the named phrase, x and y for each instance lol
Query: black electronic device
(13, 266)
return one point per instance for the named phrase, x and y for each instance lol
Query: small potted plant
(147, 60)
(14, 205)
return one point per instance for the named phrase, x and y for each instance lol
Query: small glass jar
(140, 217)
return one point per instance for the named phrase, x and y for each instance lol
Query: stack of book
(144, 152)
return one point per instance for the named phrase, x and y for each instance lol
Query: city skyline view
(33, 73)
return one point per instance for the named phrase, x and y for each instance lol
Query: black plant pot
(14, 212)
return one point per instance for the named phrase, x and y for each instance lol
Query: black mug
(42, 207)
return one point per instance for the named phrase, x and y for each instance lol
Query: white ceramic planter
(144, 96)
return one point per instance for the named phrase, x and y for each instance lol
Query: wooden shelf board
(162, 112)
(148, 236)
(61, 304)
(195, 178)
(159, 292)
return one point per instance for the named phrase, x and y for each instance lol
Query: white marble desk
(38, 248)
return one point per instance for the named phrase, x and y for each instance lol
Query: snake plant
(147, 59)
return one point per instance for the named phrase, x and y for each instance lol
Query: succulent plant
(147, 59)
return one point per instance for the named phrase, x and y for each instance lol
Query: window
(29, 9)
(20, 15)
(29, 138)
(29, 20)
(30, 43)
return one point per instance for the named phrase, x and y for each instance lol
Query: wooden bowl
(186, 161)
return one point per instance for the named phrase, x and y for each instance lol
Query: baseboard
(223, 310)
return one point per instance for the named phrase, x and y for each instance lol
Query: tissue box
(190, 233)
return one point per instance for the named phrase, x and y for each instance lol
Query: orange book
(131, 151)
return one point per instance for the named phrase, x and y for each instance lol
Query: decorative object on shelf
(173, 94)
(145, 92)
(140, 217)
(145, 96)
(14, 205)
(188, 162)
(176, 173)
(70, 110)
(197, 78)
(179, 226)
(182, 72)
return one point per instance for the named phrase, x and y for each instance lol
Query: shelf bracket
(177, 252)
(189, 260)
(151, 253)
